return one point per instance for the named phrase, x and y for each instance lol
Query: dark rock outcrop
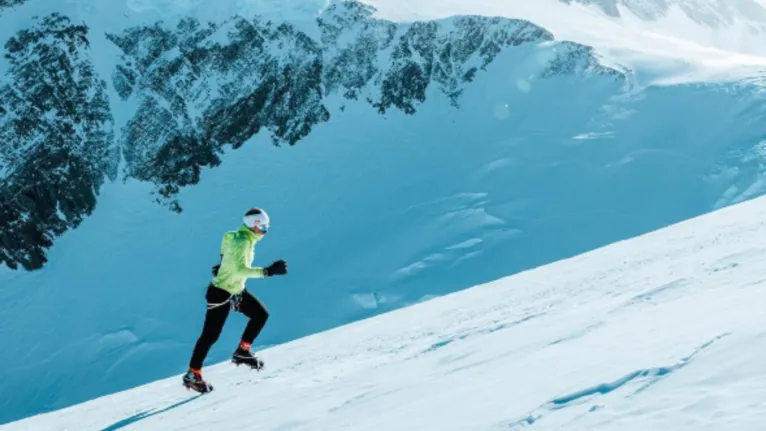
(202, 87)
(56, 143)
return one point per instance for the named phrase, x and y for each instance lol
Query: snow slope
(660, 332)
(670, 41)
(546, 156)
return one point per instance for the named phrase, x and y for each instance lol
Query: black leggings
(219, 304)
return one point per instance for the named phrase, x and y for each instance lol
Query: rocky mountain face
(202, 86)
(4, 4)
(56, 138)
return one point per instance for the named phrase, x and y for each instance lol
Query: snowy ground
(661, 332)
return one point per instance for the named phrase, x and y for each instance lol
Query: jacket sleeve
(237, 247)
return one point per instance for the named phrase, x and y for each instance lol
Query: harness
(233, 300)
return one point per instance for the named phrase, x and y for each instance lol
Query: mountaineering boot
(193, 380)
(243, 356)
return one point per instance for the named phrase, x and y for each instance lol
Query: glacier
(516, 148)
(659, 332)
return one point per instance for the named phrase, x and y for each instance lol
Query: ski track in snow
(660, 332)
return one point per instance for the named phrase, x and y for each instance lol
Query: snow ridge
(714, 13)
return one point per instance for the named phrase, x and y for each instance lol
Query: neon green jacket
(237, 253)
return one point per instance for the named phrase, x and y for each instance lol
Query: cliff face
(200, 87)
(56, 139)
(5, 4)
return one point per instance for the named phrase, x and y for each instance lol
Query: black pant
(219, 303)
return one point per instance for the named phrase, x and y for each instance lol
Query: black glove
(277, 268)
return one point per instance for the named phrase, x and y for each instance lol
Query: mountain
(716, 13)
(198, 88)
(665, 41)
(659, 332)
(400, 161)
(57, 139)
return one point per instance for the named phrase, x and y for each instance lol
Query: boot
(243, 356)
(193, 380)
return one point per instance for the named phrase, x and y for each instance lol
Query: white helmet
(257, 218)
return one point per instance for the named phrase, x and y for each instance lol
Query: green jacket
(237, 253)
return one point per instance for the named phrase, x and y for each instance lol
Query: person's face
(259, 229)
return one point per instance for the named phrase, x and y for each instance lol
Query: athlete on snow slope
(227, 292)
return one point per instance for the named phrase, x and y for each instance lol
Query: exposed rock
(202, 87)
(56, 142)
